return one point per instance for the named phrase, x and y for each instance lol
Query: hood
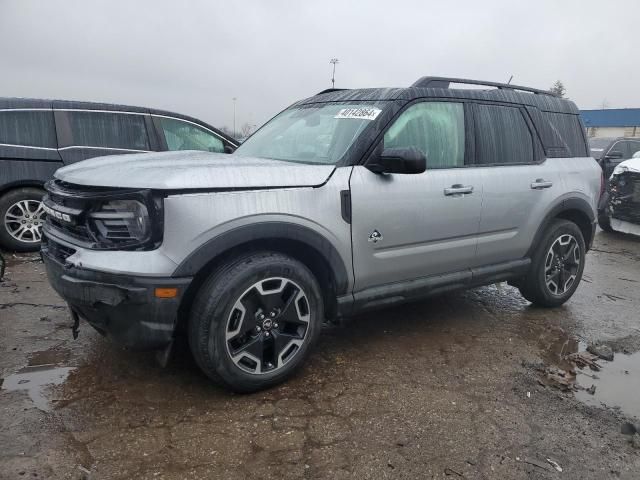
(631, 165)
(192, 170)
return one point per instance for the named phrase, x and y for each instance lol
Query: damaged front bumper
(624, 201)
(124, 308)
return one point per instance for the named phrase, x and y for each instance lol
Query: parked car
(610, 151)
(621, 212)
(39, 136)
(346, 201)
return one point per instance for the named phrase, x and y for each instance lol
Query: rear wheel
(22, 215)
(556, 267)
(254, 321)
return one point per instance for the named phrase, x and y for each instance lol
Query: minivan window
(502, 136)
(569, 128)
(108, 130)
(29, 128)
(435, 128)
(186, 136)
(316, 134)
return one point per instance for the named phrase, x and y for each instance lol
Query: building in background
(612, 122)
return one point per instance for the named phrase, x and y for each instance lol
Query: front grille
(57, 250)
(89, 217)
(625, 197)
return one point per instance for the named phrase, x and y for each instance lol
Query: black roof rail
(329, 90)
(444, 82)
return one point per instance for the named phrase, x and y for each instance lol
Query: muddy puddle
(43, 371)
(570, 366)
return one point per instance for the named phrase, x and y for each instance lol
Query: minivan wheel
(556, 267)
(22, 215)
(254, 321)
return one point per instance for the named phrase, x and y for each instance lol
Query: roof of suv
(504, 93)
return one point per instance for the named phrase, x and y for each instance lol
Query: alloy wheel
(562, 264)
(267, 325)
(23, 221)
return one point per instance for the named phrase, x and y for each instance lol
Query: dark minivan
(39, 136)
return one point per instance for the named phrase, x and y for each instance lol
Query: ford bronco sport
(346, 201)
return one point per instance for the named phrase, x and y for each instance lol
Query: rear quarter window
(569, 128)
(28, 128)
(108, 130)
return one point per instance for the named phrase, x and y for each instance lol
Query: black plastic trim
(266, 231)
(345, 205)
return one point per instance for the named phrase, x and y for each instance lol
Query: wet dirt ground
(453, 387)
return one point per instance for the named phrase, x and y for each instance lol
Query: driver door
(408, 226)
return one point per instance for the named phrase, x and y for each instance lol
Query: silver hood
(192, 170)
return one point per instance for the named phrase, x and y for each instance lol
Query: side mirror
(614, 155)
(229, 149)
(399, 160)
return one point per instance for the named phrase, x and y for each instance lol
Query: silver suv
(346, 201)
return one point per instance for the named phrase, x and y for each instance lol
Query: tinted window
(109, 130)
(568, 126)
(622, 147)
(436, 128)
(634, 147)
(502, 136)
(28, 128)
(186, 136)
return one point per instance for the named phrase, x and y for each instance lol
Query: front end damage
(624, 200)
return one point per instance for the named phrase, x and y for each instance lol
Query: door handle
(541, 183)
(458, 189)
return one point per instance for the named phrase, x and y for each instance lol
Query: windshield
(597, 146)
(317, 134)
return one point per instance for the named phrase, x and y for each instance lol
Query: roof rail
(444, 82)
(329, 90)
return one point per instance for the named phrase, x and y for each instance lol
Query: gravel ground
(454, 387)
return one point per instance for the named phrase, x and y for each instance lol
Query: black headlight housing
(102, 218)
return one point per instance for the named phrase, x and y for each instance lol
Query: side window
(635, 148)
(28, 128)
(622, 147)
(436, 128)
(569, 128)
(108, 130)
(502, 136)
(186, 136)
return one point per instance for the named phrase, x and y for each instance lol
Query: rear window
(569, 128)
(502, 136)
(28, 128)
(109, 130)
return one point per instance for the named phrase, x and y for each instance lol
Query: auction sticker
(359, 113)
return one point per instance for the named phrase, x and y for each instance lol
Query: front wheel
(556, 266)
(22, 214)
(254, 321)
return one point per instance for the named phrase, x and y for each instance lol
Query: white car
(622, 212)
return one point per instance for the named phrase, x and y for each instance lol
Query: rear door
(85, 134)
(410, 226)
(518, 184)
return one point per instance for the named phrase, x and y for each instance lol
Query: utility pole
(333, 77)
(234, 117)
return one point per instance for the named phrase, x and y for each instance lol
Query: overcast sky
(194, 57)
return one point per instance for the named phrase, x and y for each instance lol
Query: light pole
(333, 77)
(234, 117)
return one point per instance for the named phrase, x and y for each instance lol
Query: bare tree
(227, 131)
(246, 129)
(558, 89)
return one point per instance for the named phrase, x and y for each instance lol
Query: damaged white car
(621, 206)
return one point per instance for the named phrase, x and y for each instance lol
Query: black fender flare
(573, 203)
(211, 249)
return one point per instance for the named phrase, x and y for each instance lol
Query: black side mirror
(229, 149)
(614, 155)
(399, 160)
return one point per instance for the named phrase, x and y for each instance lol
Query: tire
(255, 320)
(604, 221)
(549, 282)
(21, 218)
